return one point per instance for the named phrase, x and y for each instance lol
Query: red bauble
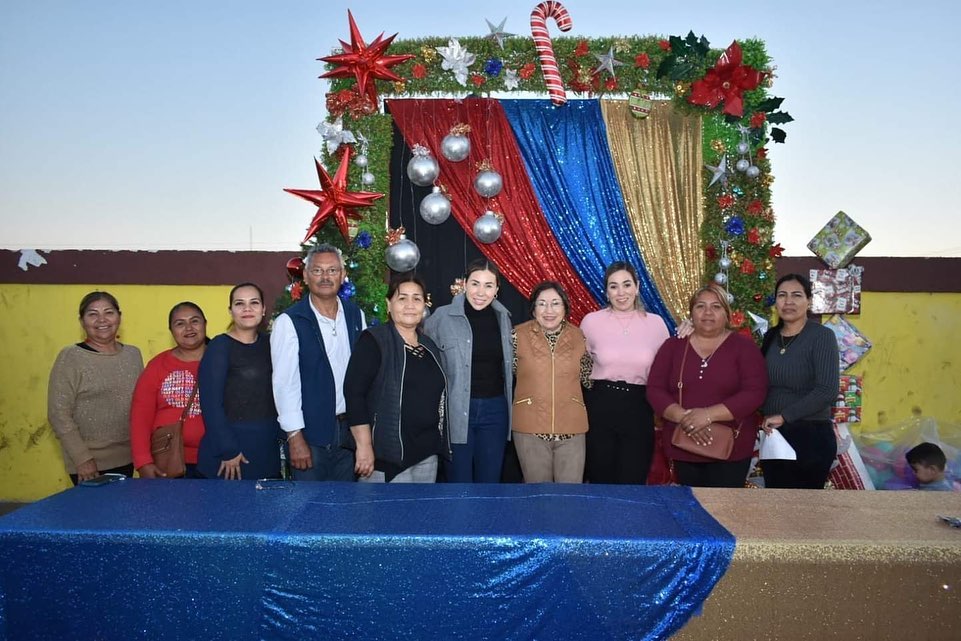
(295, 268)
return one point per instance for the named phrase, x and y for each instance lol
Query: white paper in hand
(775, 447)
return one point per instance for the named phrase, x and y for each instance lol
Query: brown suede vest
(548, 399)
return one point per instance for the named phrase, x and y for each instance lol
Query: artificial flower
(725, 82)
(363, 239)
(761, 153)
(296, 291)
(581, 49)
(642, 60)
(665, 45)
(747, 266)
(527, 71)
(776, 250)
(755, 207)
(737, 318)
(758, 119)
(419, 71)
(493, 67)
(725, 201)
(735, 226)
(476, 79)
(753, 236)
(611, 84)
(710, 252)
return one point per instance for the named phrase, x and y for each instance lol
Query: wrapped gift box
(839, 240)
(852, 345)
(836, 291)
(847, 409)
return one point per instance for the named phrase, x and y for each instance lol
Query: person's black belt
(620, 386)
(342, 418)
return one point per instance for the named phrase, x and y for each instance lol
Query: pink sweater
(623, 344)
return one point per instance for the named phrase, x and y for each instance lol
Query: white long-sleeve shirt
(285, 355)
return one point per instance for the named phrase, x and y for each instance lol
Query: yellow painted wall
(36, 322)
(912, 369)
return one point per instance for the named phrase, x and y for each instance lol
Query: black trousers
(620, 441)
(816, 448)
(714, 474)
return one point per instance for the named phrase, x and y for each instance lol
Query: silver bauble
(725, 262)
(730, 298)
(743, 147)
(454, 147)
(423, 170)
(487, 228)
(360, 160)
(753, 172)
(367, 178)
(720, 278)
(742, 164)
(488, 183)
(403, 255)
(435, 208)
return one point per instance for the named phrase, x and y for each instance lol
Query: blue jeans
(479, 460)
(331, 463)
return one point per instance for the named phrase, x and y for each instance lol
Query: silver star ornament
(720, 172)
(497, 33)
(607, 62)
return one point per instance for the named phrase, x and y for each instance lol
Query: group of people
(443, 393)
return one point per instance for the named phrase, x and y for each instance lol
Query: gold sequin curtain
(658, 162)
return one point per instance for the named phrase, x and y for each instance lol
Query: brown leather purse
(723, 436)
(167, 444)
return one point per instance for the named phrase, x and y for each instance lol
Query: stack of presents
(837, 293)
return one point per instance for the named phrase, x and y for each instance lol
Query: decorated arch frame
(728, 91)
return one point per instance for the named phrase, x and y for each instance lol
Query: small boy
(928, 461)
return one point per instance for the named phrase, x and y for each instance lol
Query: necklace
(625, 327)
(785, 343)
(705, 361)
(330, 323)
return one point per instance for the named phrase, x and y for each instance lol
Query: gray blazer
(450, 329)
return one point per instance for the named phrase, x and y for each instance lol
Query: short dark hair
(545, 286)
(407, 277)
(480, 265)
(233, 291)
(927, 454)
(93, 297)
(800, 278)
(182, 305)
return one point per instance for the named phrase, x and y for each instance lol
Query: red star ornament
(333, 200)
(365, 62)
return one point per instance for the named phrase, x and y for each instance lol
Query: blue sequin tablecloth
(223, 560)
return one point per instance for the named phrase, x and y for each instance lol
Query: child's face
(926, 473)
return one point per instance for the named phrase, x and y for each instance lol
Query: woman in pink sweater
(164, 389)
(622, 340)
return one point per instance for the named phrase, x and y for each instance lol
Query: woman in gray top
(802, 368)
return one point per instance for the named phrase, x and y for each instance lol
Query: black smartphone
(103, 479)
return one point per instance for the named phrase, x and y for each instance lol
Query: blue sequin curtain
(569, 163)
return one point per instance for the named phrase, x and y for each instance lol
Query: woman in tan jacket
(549, 419)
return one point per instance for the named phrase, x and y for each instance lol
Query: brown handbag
(167, 444)
(722, 443)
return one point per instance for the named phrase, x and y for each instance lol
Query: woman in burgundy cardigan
(724, 380)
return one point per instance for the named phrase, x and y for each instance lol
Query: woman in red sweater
(164, 389)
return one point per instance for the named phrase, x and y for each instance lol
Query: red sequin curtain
(526, 252)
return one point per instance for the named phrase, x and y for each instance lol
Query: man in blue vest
(310, 346)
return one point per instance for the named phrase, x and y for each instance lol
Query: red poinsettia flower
(710, 252)
(726, 82)
(747, 266)
(527, 71)
(725, 201)
(754, 236)
(611, 84)
(758, 120)
(642, 60)
(761, 153)
(296, 291)
(477, 79)
(737, 318)
(755, 207)
(665, 45)
(581, 49)
(419, 71)
(776, 250)
(746, 332)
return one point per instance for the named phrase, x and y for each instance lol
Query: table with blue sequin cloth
(224, 560)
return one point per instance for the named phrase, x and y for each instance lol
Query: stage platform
(215, 560)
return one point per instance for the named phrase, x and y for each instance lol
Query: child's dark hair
(927, 454)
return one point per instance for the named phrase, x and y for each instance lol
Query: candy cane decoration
(545, 51)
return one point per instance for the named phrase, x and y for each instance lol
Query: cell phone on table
(103, 479)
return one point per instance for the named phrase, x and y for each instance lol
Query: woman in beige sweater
(91, 386)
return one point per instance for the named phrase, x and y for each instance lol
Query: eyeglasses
(554, 304)
(320, 271)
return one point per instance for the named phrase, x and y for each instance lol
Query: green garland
(738, 214)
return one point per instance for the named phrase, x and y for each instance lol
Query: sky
(128, 124)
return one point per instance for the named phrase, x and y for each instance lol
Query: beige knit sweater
(88, 404)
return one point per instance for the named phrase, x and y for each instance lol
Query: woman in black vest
(396, 393)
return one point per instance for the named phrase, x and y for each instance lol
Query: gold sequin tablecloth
(834, 565)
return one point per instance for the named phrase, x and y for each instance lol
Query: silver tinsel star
(497, 33)
(511, 79)
(720, 172)
(607, 62)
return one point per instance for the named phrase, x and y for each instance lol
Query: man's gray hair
(324, 248)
